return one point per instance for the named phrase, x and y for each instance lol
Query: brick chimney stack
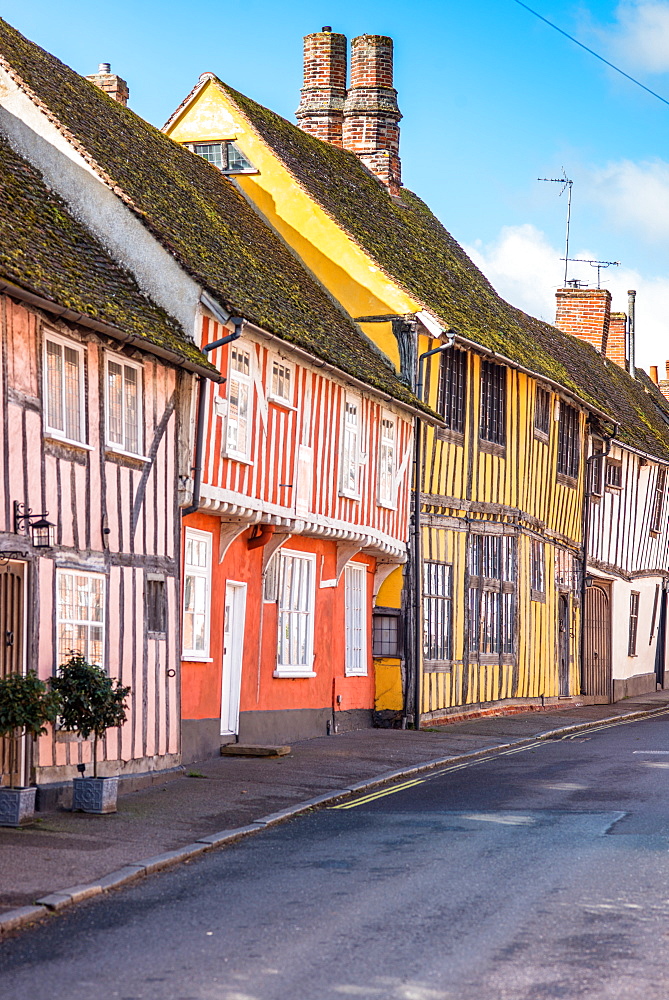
(616, 348)
(322, 99)
(110, 83)
(371, 114)
(585, 313)
(663, 384)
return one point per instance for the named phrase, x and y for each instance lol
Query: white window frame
(192, 534)
(241, 379)
(274, 397)
(120, 359)
(349, 454)
(285, 668)
(55, 432)
(60, 573)
(387, 497)
(355, 664)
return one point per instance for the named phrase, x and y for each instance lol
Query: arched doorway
(596, 670)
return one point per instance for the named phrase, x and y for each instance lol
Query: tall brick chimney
(322, 99)
(585, 313)
(371, 114)
(616, 347)
(112, 84)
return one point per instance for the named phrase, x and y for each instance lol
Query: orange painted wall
(260, 690)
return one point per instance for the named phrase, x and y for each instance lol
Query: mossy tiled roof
(45, 250)
(411, 246)
(200, 217)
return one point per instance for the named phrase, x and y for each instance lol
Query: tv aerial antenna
(599, 264)
(567, 185)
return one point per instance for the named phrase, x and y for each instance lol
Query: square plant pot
(17, 805)
(95, 795)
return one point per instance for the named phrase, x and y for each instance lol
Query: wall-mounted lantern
(589, 581)
(36, 525)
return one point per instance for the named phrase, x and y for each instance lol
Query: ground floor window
(297, 581)
(492, 595)
(80, 614)
(197, 593)
(386, 635)
(355, 598)
(634, 623)
(437, 611)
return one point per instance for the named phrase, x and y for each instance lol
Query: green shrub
(26, 705)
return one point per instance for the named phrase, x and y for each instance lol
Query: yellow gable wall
(339, 264)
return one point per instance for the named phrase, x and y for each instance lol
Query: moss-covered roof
(200, 217)
(409, 243)
(44, 250)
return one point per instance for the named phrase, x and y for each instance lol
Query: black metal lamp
(41, 530)
(589, 581)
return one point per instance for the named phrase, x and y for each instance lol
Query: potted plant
(90, 703)
(26, 705)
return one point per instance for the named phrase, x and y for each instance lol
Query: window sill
(492, 448)
(565, 480)
(451, 436)
(386, 504)
(437, 666)
(294, 673)
(187, 658)
(355, 673)
(538, 595)
(52, 438)
(350, 496)
(540, 436)
(235, 173)
(113, 450)
(610, 488)
(242, 459)
(283, 403)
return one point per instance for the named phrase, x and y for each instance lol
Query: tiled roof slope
(200, 217)
(44, 250)
(410, 244)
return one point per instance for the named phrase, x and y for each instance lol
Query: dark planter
(17, 805)
(95, 795)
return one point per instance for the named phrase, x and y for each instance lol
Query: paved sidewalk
(66, 849)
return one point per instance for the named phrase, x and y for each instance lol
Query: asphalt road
(527, 875)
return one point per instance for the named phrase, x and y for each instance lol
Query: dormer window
(225, 155)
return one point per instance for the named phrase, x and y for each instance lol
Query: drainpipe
(417, 489)
(238, 324)
(631, 325)
(595, 457)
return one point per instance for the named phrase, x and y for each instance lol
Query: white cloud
(635, 196)
(526, 270)
(640, 36)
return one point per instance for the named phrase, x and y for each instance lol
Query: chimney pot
(326, 28)
(104, 67)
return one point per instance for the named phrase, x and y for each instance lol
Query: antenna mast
(567, 185)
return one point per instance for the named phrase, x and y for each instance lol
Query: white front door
(233, 648)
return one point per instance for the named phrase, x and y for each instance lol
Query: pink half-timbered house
(303, 512)
(93, 376)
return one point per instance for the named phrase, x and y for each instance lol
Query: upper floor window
(197, 593)
(569, 441)
(614, 473)
(124, 387)
(658, 499)
(350, 453)
(281, 387)
(227, 156)
(542, 411)
(387, 469)
(492, 424)
(451, 399)
(64, 389)
(596, 469)
(156, 604)
(239, 398)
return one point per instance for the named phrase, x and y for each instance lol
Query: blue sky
(492, 99)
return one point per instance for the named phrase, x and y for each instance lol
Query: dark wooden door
(563, 645)
(12, 637)
(597, 646)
